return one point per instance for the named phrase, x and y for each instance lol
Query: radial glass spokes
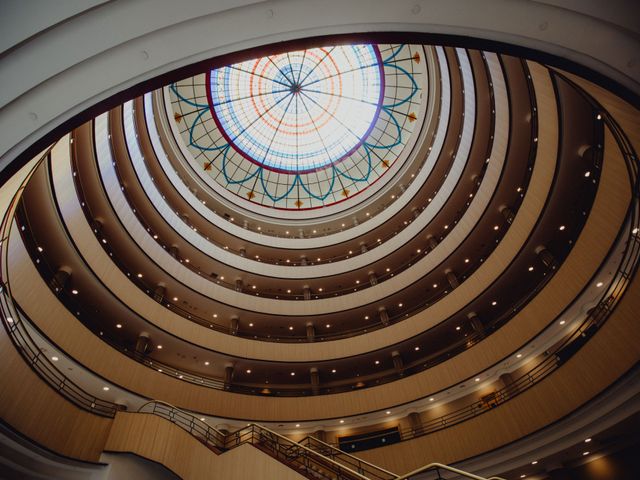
(299, 111)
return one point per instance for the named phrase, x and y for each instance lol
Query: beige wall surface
(159, 440)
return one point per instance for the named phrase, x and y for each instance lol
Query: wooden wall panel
(608, 355)
(65, 330)
(513, 240)
(159, 440)
(34, 409)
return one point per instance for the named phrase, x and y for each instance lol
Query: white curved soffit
(170, 132)
(64, 67)
(311, 271)
(330, 304)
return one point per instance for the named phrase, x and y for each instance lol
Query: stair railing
(307, 461)
(361, 466)
(436, 467)
(198, 428)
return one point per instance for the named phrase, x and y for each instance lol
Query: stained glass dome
(302, 110)
(303, 129)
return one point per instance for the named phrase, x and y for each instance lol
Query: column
(143, 344)
(234, 325)
(384, 316)
(228, 375)
(546, 257)
(452, 278)
(508, 214)
(311, 332)
(315, 380)
(476, 324)
(159, 293)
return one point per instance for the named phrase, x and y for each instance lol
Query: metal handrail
(440, 466)
(19, 334)
(335, 452)
(293, 450)
(309, 452)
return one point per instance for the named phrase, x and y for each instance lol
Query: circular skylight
(303, 129)
(299, 111)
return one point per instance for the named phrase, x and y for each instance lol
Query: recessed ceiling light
(366, 317)
(320, 289)
(435, 285)
(519, 189)
(584, 454)
(341, 421)
(417, 348)
(118, 325)
(418, 250)
(477, 379)
(343, 224)
(206, 363)
(106, 389)
(55, 359)
(496, 227)
(519, 355)
(535, 462)
(202, 419)
(290, 327)
(431, 399)
(328, 325)
(215, 315)
(139, 275)
(446, 227)
(388, 412)
(293, 374)
(587, 173)
(599, 284)
(388, 269)
(523, 476)
(314, 231)
(287, 232)
(494, 303)
(175, 299)
(74, 291)
(562, 322)
(333, 370)
(635, 231)
(159, 347)
(377, 362)
(531, 269)
(357, 282)
(587, 440)
(297, 425)
(186, 260)
(350, 252)
(248, 371)
(318, 259)
(222, 278)
(251, 324)
(458, 328)
(561, 227)
(400, 304)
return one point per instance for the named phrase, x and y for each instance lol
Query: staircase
(311, 458)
